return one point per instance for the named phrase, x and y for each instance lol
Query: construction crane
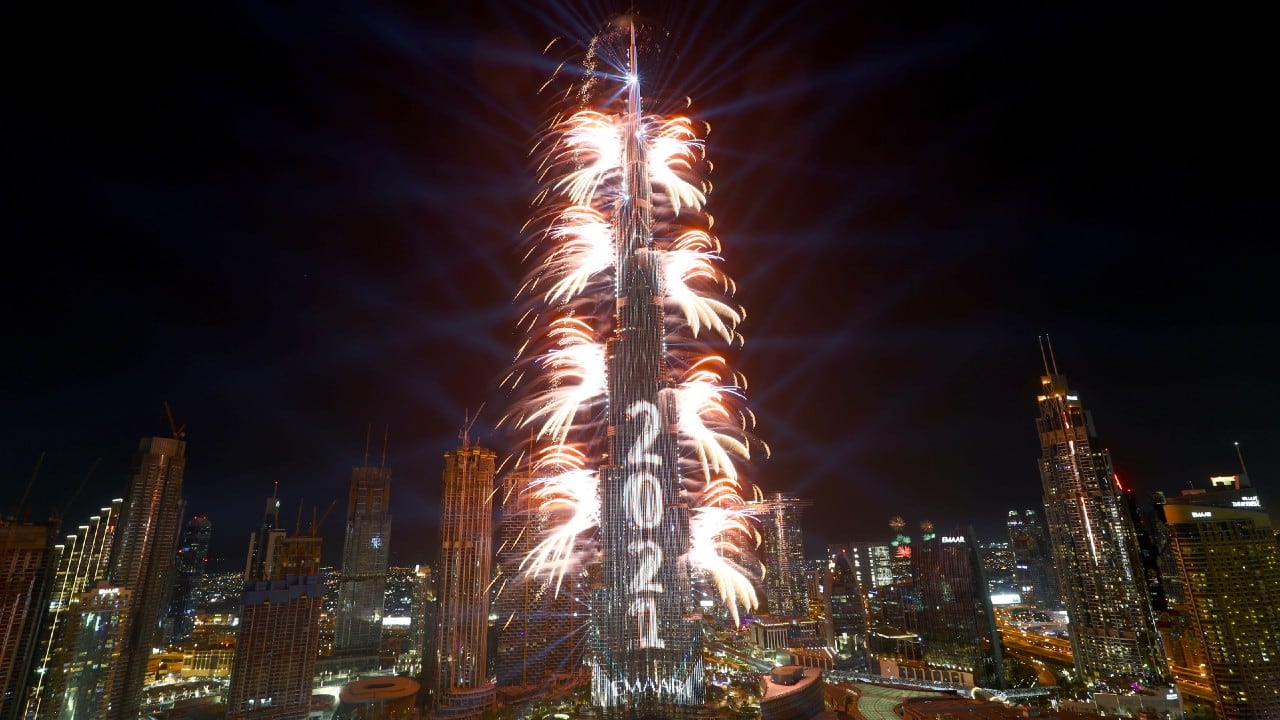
(179, 432)
(315, 524)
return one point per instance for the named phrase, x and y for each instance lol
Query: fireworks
(622, 267)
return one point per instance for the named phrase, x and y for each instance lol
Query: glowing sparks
(578, 235)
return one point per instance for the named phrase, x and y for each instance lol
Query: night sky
(293, 221)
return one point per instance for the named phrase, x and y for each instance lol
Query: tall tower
(364, 564)
(193, 558)
(1229, 563)
(27, 563)
(462, 682)
(93, 656)
(782, 550)
(1113, 632)
(82, 562)
(143, 557)
(637, 430)
(279, 639)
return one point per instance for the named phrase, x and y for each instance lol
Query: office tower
(142, 558)
(1095, 546)
(957, 625)
(1226, 555)
(193, 558)
(782, 549)
(462, 682)
(82, 561)
(279, 640)
(365, 558)
(27, 564)
(1034, 573)
(848, 606)
(98, 625)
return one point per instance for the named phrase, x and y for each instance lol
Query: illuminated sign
(952, 538)
(644, 504)
(1201, 514)
(1247, 501)
(1005, 598)
(1073, 398)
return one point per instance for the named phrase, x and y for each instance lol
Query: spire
(1244, 471)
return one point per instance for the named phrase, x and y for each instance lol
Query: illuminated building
(956, 623)
(782, 549)
(637, 433)
(255, 563)
(98, 626)
(82, 562)
(142, 559)
(279, 638)
(193, 558)
(364, 564)
(27, 565)
(1226, 555)
(462, 687)
(540, 638)
(1034, 574)
(1095, 545)
(847, 602)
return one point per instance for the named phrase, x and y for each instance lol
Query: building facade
(82, 561)
(365, 557)
(957, 625)
(193, 558)
(1095, 545)
(97, 633)
(782, 549)
(462, 686)
(143, 559)
(28, 560)
(1034, 572)
(279, 640)
(1226, 555)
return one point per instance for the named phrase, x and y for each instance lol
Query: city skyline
(919, 329)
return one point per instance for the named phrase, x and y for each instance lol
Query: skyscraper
(279, 639)
(1229, 564)
(462, 684)
(365, 558)
(782, 549)
(1034, 572)
(956, 622)
(142, 559)
(93, 658)
(193, 558)
(637, 432)
(27, 563)
(1095, 546)
(82, 562)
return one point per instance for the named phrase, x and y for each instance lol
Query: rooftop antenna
(1052, 359)
(467, 421)
(368, 433)
(386, 432)
(1043, 359)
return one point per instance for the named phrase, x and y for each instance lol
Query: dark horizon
(291, 225)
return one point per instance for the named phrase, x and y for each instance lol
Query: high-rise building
(1095, 546)
(93, 659)
(462, 687)
(279, 639)
(365, 557)
(540, 633)
(142, 559)
(1226, 555)
(27, 563)
(956, 625)
(255, 562)
(82, 561)
(1034, 573)
(782, 549)
(193, 558)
